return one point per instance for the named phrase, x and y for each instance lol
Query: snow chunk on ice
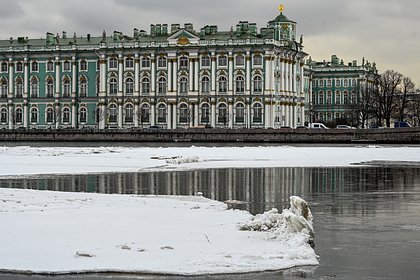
(182, 159)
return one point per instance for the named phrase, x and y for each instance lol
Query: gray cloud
(385, 31)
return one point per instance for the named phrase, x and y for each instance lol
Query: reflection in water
(259, 188)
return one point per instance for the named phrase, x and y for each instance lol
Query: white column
(136, 75)
(11, 87)
(120, 75)
(248, 72)
(136, 114)
(153, 114)
(266, 116)
(25, 78)
(196, 115)
(295, 90)
(175, 75)
(10, 107)
(295, 116)
(248, 116)
(230, 59)
(213, 115)
(73, 94)
(57, 77)
(192, 115)
(267, 74)
(25, 115)
(153, 74)
(291, 78)
(120, 114)
(191, 75)
(283, 115)
(169, 75)
(196, 74)
(230, 115)
(169, 117)
(174, 116)
(213, 73)
(102, 92)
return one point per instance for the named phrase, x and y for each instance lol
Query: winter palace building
(172, 76)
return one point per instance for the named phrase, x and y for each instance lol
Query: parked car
(401, 124)
(343, 126)
(317, 126)
(301, 127)
(155, 127)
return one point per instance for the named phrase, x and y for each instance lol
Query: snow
(54, 232)
(26, 160)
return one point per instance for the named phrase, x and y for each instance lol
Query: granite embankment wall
(383, 136)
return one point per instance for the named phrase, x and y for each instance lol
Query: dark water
(367, 219)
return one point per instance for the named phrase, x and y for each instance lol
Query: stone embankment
(380, 136)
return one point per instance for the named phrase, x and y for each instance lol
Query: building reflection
(258, 189)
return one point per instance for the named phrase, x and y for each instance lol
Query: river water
(367, 219)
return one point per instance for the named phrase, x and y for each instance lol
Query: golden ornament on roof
(281, 8)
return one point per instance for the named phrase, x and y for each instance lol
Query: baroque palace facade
(172, 77)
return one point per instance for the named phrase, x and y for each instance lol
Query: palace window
(353, 82)
(49, 115)
(162, 62)
(50, 88)
(83, 65)
(129, 63)
(19, 88)
(345, 83)
(3, 115)
(329, 83)
(205, 84)
(329, 97)
(19, 115)
(338, 83)
(145, 62)
(183, 113)
(205, 113)
(240, 60)
(183, 85)
(257, 85)
(19, 67)
(321, 98)
(346, 98)
(257, 113)
(161, 113)
(113, 63)
(66, 87)
(4, 88)
(145, 85)
(222, 114)
(34, 66)
(162, 85)
(66, 66)
(129, 113)
(113, 86)
(83, 115)
(183, 62)
(222, 84)
(34, 115)
(321, 83)
(83, 87)
(205, 61)
(113, 113)
(50, 66)
(314, 98)
(239, 85)
(4, 68)
(240, 113)
(257, 59)
(222, 61)
(66, 115)
(337, 97)
(34, 88)
(145, 113)
(129, 86)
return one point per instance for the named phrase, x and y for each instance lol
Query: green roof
(282, 18)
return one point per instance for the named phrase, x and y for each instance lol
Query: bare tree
(406, 88)
(389, 85)
(363, 109)
(414, 108)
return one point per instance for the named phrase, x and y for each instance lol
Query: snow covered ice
(57, 232)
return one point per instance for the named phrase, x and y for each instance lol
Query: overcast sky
(383, 31)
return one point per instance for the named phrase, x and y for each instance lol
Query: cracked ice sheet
(56, 232)
(26, 160)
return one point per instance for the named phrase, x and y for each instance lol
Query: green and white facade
(332, 88)
(171, 76)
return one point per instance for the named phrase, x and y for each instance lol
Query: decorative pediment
(183, 38)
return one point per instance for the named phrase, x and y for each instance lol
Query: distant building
(172, 76)
(333, 89)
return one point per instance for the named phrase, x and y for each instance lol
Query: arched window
(113, 63)
(183, 62)
(66, 115)
(34, 66)
(321, 97)
(205, 61)
(257, 59)
(162, 62)
(239, 85)
(19, 115)
(222, 61)
(19, 67)
(3, 115)
(183, 85)
(129, 63)
(83, 65)
(161, 113)
(222, 84)
(240, 113)
(162, 85)
(329, 97)
(240, 60)
(4, 68)
(346, 98)
(83, 115)
(113, 113)
(34, 115)
(183, 113)
(66, 66)
(257, 84)
(205, 84)
(205, 113)
(129, 86)
(145, 85)
(4, 88)
(50, 66)
(83, 87)
(337, 97)
(50, 88)
(34, 87)
(257, 113)
(145, 113)
(19, 88)
(222, 113)
(113, 86)
(66, 87)
(145, 62)
(129, 113)
(49, 115)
